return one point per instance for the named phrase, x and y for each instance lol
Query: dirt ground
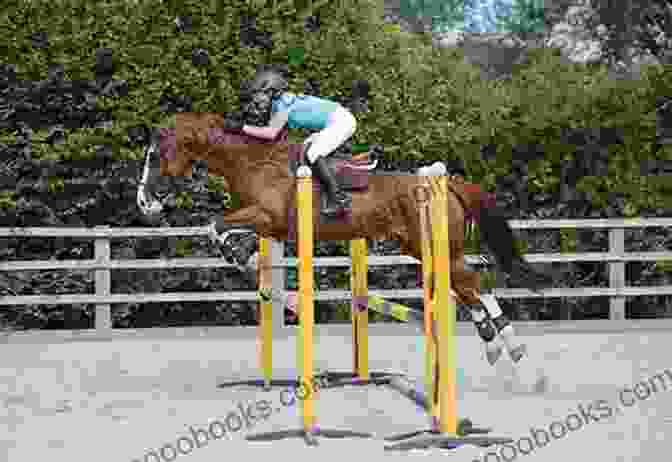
(117, 400)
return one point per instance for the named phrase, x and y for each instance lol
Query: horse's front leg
(249, 220)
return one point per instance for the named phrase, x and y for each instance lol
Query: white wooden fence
(102, 264)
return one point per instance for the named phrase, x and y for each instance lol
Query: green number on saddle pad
(356, 148)
(296, 55)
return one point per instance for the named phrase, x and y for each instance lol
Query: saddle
(351, 172)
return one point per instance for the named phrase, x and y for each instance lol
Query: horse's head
(162, 158)
(229, 154)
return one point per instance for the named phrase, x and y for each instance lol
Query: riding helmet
(269, 80)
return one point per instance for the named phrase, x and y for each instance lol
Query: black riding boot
(337, 199)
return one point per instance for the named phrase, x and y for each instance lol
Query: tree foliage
(443, 15)
(520, 16)
(426, 103)
(645, 23)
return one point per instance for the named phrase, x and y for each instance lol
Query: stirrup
(338, 203)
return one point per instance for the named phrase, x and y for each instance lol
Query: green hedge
(426, 102)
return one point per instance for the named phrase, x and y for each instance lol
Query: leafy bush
(426, 102)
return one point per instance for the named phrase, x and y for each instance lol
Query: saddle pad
(348, 177)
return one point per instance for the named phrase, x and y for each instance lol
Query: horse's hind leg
(489, 322)
(505, 330)
(466, 284)
(486, 314)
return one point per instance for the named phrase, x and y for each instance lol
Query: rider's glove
(233, 123)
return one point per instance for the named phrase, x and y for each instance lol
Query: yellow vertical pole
(423, 198)
(306, 295)
(266, 310)
(446, 310)
(360, 319)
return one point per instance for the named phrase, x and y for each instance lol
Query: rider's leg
(341, 128)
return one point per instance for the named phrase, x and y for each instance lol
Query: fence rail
(102, 265)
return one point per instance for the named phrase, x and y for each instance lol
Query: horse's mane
(210, 126)
(222, 136)
(250, 150)
(206, 130)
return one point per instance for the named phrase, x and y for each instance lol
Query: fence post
(617, 273)
(103, 315)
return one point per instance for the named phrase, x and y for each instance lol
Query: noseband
(147, 206)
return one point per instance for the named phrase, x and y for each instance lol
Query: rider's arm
(275, 126)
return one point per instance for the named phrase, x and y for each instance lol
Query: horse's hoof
(241, 255)
(518, 353)
(492, 352)
(228, 256)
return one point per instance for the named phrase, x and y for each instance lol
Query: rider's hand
(233, 123)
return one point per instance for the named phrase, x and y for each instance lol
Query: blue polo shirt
(305, 111)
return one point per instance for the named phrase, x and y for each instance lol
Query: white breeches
(342, 125)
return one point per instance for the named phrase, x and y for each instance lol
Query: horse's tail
(473, 199)
(494, 229)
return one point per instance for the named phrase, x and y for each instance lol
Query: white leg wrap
(491, 304)
(507, 334)
(477, 315)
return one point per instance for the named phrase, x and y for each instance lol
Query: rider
(335, 123)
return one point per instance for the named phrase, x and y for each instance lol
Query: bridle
(148, 205)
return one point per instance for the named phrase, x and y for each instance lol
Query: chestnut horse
(258, 172)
